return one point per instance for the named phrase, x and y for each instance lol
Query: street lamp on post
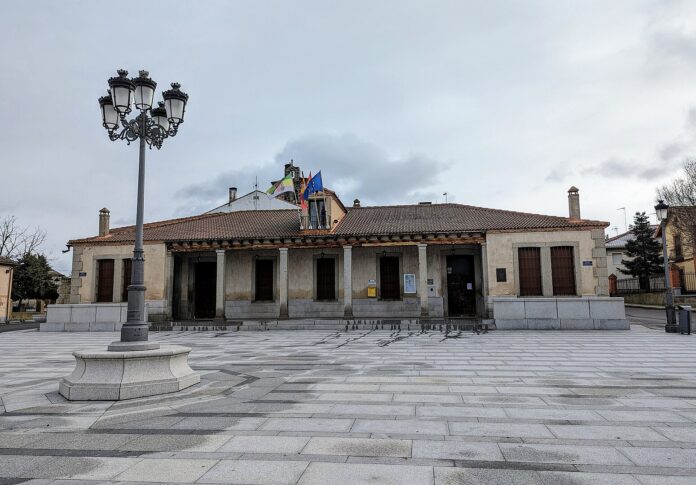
(661, 210)
(152, 126)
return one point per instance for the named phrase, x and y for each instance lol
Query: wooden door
(105, 280)
(204, 289)
(389, 285)
(563, 270)
(326, 279)
(529, 261)
(461, 286)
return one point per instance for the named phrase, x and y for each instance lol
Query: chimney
(233, 194)
(104, 222)
(573, 204)
(356, 203)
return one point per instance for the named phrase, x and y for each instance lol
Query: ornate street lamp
(152, 126)
(662, 209)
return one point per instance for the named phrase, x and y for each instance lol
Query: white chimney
(104, 222)
(233, 194)
(573, 204)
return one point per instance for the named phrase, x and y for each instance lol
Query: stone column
(184, 307)
(423, 278)
(220, 285)
(169, 284)
(484, 276)
(75, 278)
(118, 280)
(546, 275)
(283, 282)
(599, 263)
(347, 281)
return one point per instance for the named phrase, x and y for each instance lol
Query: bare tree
(680, 194)
(17, 241)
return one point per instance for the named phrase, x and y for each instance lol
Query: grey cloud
(559, 173)
(623, 169)
(352, 167)
(363, 170)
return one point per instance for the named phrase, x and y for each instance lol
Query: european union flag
(314, 185)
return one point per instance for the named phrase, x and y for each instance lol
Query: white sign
(409, 283)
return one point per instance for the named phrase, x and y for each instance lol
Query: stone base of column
(115, 376)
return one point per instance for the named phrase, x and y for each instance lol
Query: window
(105, 280)
(126, 278)
(326, 279)
(616, 258)
(530, 271)
(563, 270)
(678, 246)
(389, 278)
(264, 280)
(317, 214)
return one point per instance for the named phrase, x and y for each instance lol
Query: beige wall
(6, 273)
(688, 264)
(155, 268)
(502, 250)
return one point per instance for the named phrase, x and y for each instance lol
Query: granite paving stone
(574, 407)
(265, 444)
(166, 470)
(358, 447)
(253, 472)
(354, 473)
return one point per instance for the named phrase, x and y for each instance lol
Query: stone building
(385, 262)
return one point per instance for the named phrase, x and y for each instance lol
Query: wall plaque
(500, 275)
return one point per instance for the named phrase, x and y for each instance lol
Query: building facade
(6, 274)
(386, 262)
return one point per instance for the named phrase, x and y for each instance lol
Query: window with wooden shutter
(563, 270)
(264, 280)
(529, 260)
(126, 279)
(389, 288)
(105, 280)
(326, 279)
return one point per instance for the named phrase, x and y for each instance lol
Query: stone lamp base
(114, 375)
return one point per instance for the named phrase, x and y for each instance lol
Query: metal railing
(687, 284)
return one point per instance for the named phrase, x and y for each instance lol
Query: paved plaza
(365, 407)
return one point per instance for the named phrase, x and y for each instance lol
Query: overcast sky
(500, 104)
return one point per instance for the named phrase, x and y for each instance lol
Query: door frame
(463, 250)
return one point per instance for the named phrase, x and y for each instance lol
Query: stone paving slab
(365, 407)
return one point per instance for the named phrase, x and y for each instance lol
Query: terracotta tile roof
(359, 221)
(7, 261)
(437, 218)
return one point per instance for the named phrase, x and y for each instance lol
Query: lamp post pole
(163, 122)
(662, 211)
(136, 327)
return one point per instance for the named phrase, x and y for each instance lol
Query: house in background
(6, 274)
(616, 253)
(680, 249)
(253, 201)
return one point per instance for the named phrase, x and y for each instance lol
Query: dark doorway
(461, 286)
(105, 280)
(204, 290)
(389, 287)
(326, 279)
(264, 280)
